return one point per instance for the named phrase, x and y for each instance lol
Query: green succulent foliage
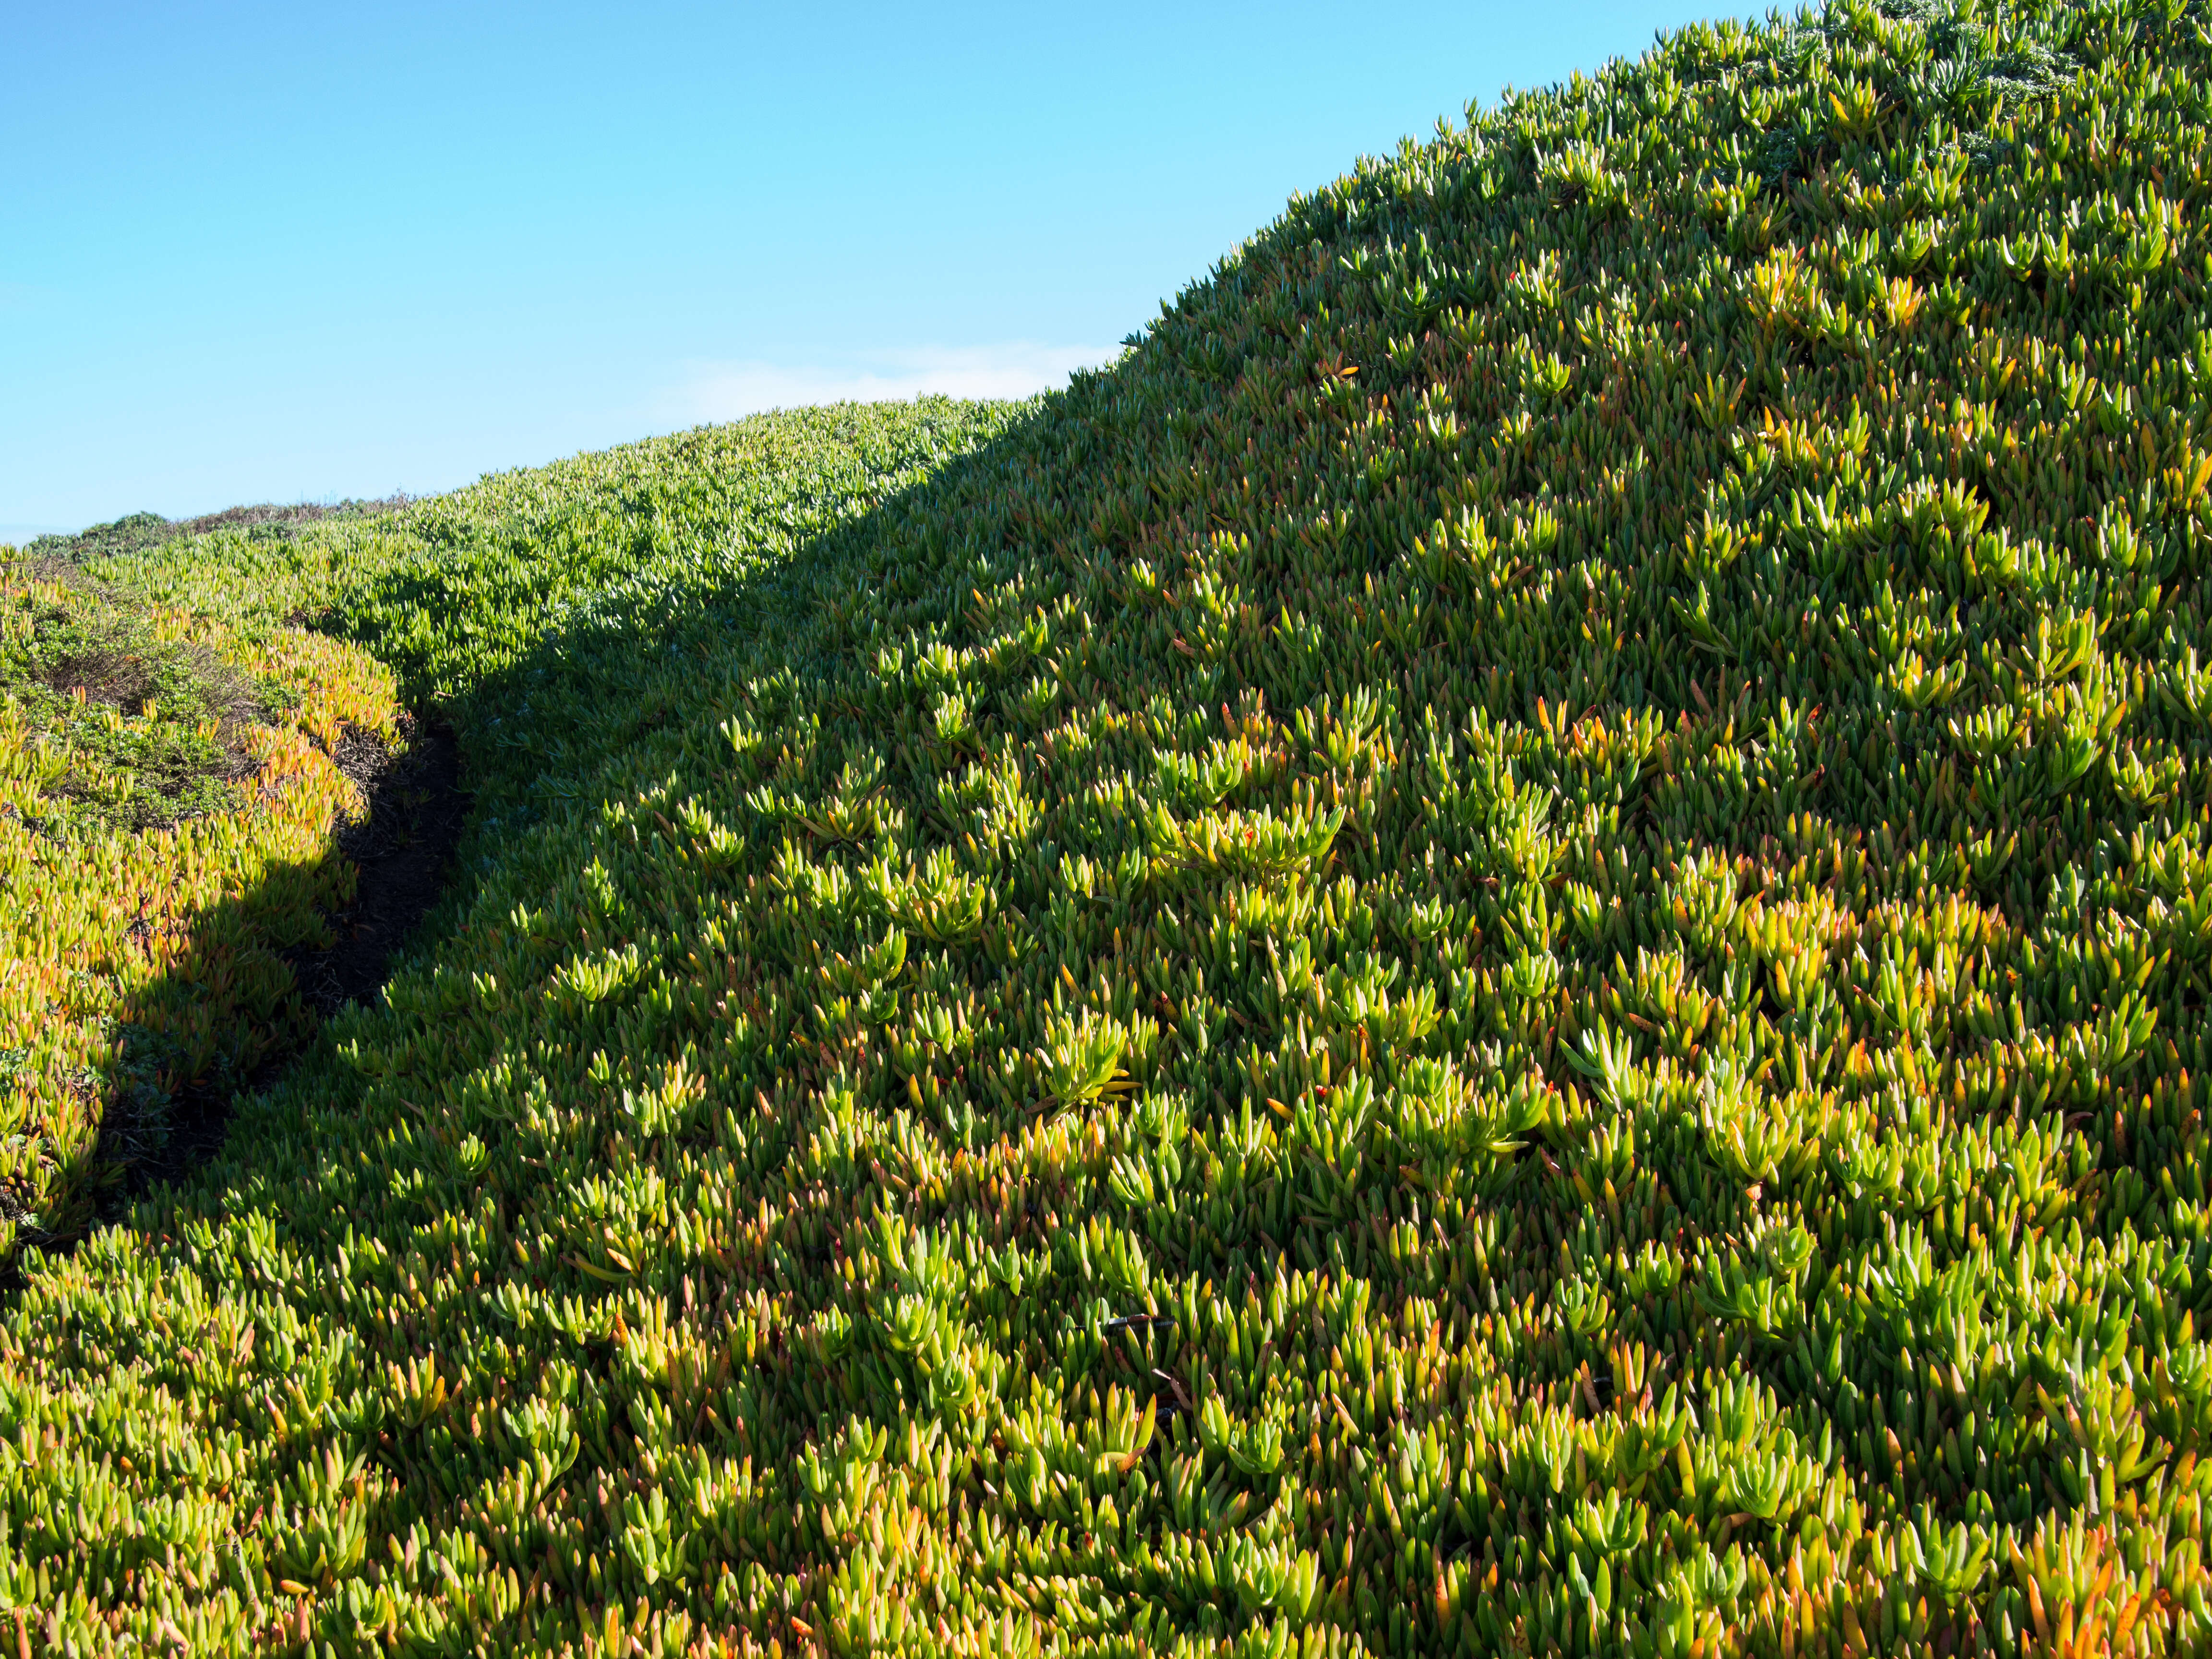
(1503, 951)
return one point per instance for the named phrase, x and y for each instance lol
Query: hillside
(171, 790)
(1503, 951)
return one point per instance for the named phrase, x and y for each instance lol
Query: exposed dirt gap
(403, 848)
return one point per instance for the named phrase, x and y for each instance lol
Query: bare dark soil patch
(403, 848)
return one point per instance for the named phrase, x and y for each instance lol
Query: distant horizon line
(713, 391)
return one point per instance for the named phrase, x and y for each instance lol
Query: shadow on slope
(262, 1299)
(401, 849)
(600, 588)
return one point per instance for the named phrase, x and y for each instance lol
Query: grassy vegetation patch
(1503, 951)
(168, 795)
(137, 532)
(116, 726)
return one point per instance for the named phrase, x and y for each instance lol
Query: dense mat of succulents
(1504, 951)
(167, 794)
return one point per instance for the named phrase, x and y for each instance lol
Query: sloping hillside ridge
(1503, 951)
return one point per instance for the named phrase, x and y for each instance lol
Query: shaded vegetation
(1503, 951)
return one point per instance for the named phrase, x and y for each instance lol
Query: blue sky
(296, 252)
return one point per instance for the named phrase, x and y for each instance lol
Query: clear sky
(263, 252)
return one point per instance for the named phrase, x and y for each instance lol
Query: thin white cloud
(724, 390)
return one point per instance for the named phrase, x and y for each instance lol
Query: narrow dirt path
(404, 850)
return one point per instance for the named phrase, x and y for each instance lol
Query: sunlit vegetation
(167, 796)
(1503, 951)
(139, 532)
